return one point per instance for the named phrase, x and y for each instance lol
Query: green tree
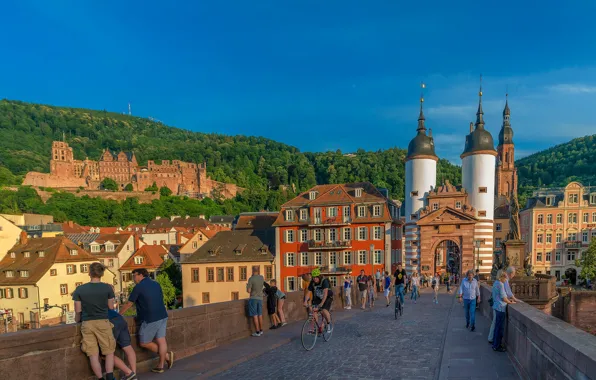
(128, 187)
(165, 191)
(170, 268)
(167, 288)
(588, 262)
(109, 184)
(152, 187)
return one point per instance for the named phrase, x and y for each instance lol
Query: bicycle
(315, 324)
(398, 307)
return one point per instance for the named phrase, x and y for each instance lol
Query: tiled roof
(84, 238)
(235, 246)
(119, 241)
(55, 249)
(152, 258)
(73, 228)
(168, 223)
(256, 221)
(222, 219)
(338, 194)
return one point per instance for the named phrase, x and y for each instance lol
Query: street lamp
(477, 246)
(372, 267)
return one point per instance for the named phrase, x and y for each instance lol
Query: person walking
(400, 280)
(500, 302)
(92, 302)
(510, 274)
(415, 285)
(362, 281)
(387, 287)
(348, 292)
(371, 292)
(435, 283)
(255, 302)
(469, 293)
(378, 280)
(147, 296)
(446, 279)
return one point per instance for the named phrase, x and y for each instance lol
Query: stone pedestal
(514, 252)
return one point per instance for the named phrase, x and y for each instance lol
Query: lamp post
(477, 246)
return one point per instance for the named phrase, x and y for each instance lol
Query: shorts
(152, 330)
(363, 293)
(326, 305)
(120, 332)
(387, 290)
(97, 332)
(255, 307)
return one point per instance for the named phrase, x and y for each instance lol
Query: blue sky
(319, 75)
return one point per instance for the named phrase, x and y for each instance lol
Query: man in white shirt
(469, 292)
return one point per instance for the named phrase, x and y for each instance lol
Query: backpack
(434, 282)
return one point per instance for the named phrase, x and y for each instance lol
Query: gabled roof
(118, 240)
(446, 215)
(222, 219)
(71, 227)
(153, 258)
(55, 249)
(236, 246)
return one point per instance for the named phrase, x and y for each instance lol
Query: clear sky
(316, 74)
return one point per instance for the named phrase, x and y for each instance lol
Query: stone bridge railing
(34, 354)
(539, 290)
(542, 346)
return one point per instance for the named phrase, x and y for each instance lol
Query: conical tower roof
(479, 140)
(421, 146)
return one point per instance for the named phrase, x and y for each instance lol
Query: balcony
(333, 221)
(335, 270)
(337, 244)
(573, 244)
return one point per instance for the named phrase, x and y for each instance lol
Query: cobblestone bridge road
(371, 344)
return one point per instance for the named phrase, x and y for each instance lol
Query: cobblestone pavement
(369, 345)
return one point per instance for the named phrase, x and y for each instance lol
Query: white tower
(421, 177)
(478, 178)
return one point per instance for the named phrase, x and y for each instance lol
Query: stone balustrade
(34, 354)
(542, 346)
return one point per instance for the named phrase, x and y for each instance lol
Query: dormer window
(24, 273)
(358, 192)
(289, 215)
(303, 214)
(109, 247)
(376, 210)
(13, 255)
(27, 254)
(41, 253)
(573, 198)
(593, 199)
(312, 195)
(139, 260)
(9, 274)
(74, 252)
(95, 248)
(550, 200)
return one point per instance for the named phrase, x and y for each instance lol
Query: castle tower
(478, 179)
(506, 172)
(421, 177)
(62, 162)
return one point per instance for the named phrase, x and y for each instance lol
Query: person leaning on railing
(500, 302)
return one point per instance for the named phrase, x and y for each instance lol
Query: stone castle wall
(182, 178)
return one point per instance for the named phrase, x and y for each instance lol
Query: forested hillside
(27, 131)
(572, 161)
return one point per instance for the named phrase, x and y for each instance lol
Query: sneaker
(329, 329)
(273, 327)
(490, 342)
(284, 323)
(157, 370)
(473, 328)
(170, 359)
(256, 334)
(260, 332)
(349, 308)
(131, 376)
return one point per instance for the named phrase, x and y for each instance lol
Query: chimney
(70, 223)
(186, 217)
(202, 216)
(23, 239)
(157, 217)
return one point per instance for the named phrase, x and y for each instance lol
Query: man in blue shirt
(151, 312)
(469, 293)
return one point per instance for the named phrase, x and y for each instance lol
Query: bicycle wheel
(326, 334)
(396, 307)
(310, 330)
(401, 309)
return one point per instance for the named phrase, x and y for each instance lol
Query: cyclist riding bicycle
(320, 289)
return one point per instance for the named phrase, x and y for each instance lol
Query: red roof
(153, 258)
(71, 227)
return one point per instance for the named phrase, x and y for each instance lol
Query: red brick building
(183, 178)
(341, 229)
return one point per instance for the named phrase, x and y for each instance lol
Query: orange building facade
(183, 178)
(341, 229)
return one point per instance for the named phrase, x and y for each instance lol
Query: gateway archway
(447, 257)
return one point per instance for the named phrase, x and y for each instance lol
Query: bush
(165, 191)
